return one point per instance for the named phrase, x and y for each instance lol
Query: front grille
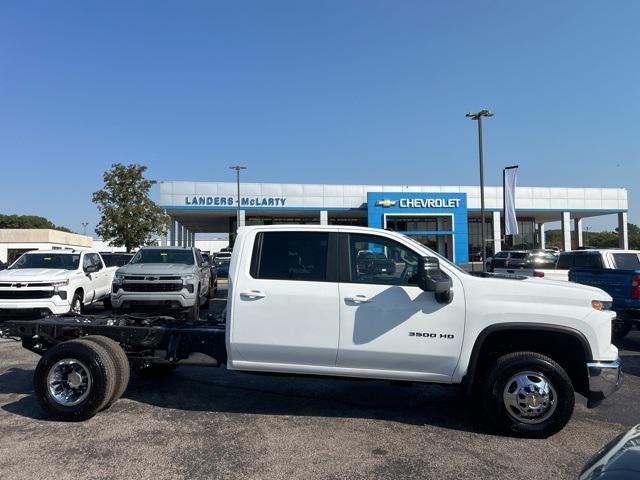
(25, 294)
(151, 287)
(24, 284)
(154, 277)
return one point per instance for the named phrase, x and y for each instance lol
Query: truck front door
(386, 321)
(284, 307)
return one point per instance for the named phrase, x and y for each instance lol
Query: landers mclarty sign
(231, 201)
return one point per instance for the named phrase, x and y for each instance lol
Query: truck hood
(156, 269)
(541, 290)
(35, 274)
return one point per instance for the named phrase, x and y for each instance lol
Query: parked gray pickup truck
(175, 278)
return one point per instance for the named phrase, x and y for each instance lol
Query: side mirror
(91, 269)
(432, 279)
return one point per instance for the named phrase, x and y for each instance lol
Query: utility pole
(478, 117)
(237, 168)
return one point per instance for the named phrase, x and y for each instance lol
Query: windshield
(442, 259)
(161, 255)
(59, 261)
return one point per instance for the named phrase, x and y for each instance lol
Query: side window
(565, 262)
(378, 260)
(291, 256)
(95, 259)
(86, 261)
(199, 258)
(588, 261)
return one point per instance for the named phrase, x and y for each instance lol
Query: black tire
(619, 330)
(120, 361)
(156, 370)
(193, 314)
(534, 367)
(102, 373)
(76, 299)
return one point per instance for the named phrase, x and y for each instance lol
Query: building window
(422, 223)
(475, 237)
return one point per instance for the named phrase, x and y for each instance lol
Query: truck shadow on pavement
(220, 391)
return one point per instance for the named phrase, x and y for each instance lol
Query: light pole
(478, 116)
(237, 168)
(84, 227)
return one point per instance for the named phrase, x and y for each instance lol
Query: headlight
(187, 278)
(118, 279)
(62, 283)
(600, 305)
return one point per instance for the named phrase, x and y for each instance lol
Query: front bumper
(604, 379)
(55, 305)
(150, 299)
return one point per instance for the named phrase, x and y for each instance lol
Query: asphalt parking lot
(210, 423)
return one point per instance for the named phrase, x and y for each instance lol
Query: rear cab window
(626, 261)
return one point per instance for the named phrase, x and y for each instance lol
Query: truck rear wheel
(74, 380)
(120, 361)
(528, 395)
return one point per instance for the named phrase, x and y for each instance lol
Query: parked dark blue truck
(617, 272)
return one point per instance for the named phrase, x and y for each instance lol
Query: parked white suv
(167, 278)
(55, 281)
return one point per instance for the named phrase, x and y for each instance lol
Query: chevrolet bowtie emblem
(385, 203)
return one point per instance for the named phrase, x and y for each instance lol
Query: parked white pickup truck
(303, 301)
(55, 281)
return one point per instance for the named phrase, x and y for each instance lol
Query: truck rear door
(285, 302)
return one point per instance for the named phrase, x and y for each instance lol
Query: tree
(128, 217)
(605, 239)
(28, 221)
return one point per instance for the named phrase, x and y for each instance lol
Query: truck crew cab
(299, 303)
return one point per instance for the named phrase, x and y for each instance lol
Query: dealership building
(445, 218)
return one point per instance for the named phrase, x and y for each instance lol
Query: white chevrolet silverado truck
(302, 300)
(55, 281)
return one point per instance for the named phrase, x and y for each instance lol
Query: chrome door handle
(253, 294)
(358, 299)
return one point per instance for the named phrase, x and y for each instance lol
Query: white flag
(509, 179)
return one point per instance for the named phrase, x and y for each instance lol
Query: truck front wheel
(193, 314)
(619, 330)
(528, 395)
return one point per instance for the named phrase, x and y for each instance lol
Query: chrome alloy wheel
(69, 382)
(76, 307)
(529, 397)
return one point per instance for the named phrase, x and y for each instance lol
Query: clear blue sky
(340, 91)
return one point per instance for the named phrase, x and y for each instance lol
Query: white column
(577, 226)
(188, 238)
(242, 218)
(497, 232)
(543, 237)
(566, 231)
(172, 232)
(180, 235)
(324, 217)
(623, 231)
